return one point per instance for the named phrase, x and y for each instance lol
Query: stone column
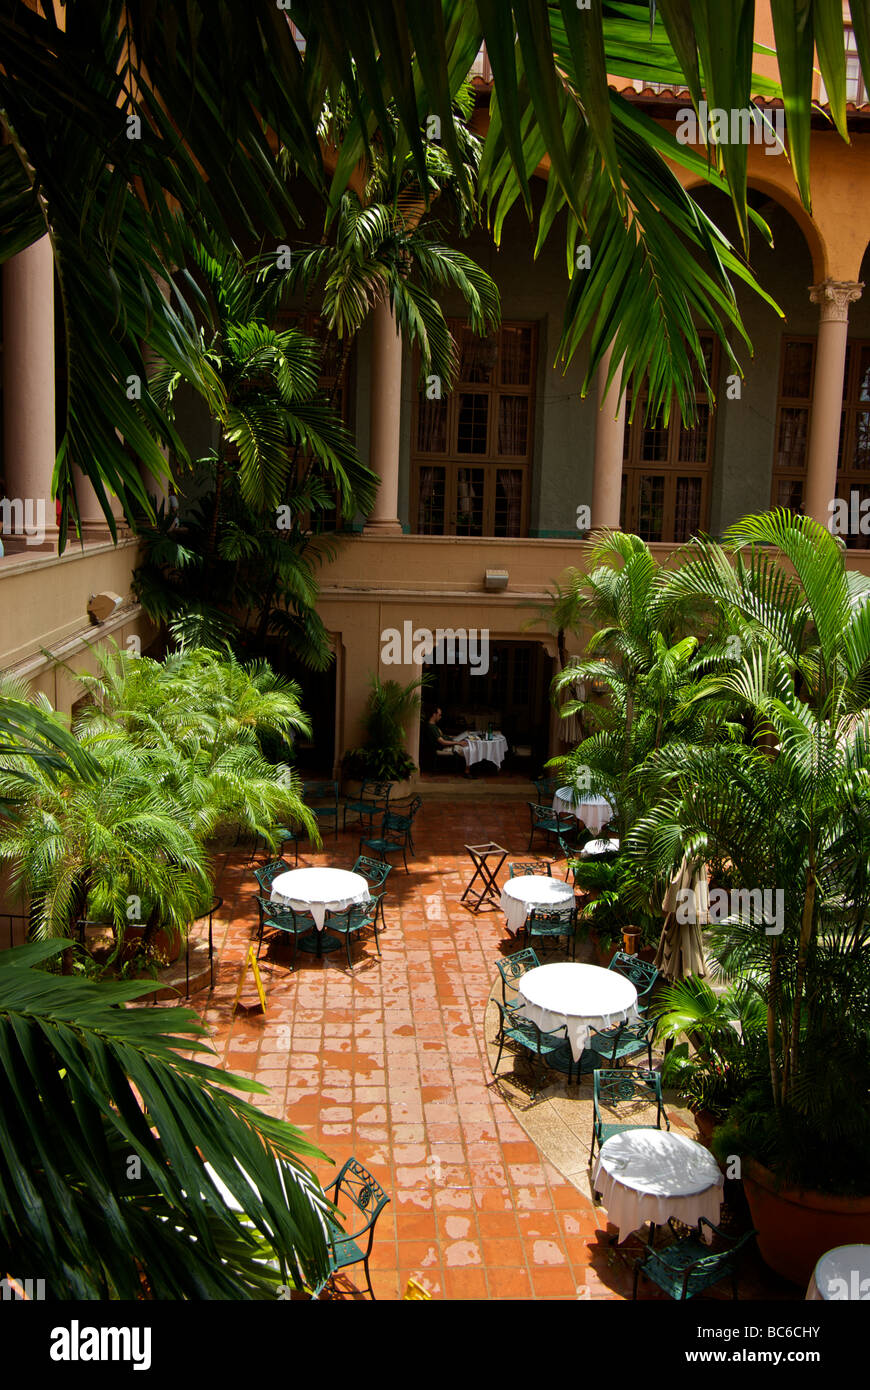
(833, 298)
(386, 406)
(609, 445)
(29, 430)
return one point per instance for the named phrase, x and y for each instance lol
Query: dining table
(521, 895)
(477, 748)
(317, 891)
(580, 998)
(593, 811)
(651, 1175)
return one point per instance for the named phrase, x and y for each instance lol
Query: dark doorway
(317, 753)
(513, 696)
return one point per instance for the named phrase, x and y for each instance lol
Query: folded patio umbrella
(680, 952)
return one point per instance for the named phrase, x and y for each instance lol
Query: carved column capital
(834, 297)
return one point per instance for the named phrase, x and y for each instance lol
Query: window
(856, 88)
(853, 458)
(794, 413)
(794, 403)
(666, 467)
(471, 451)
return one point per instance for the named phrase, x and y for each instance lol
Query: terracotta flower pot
(796, 1227)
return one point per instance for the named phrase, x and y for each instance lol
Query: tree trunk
(772, 993)
(807, 919)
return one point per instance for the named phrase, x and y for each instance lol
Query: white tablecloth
(593, 811)
(592, 848)
(319, 891)
(842, 1274)
(648, 1175)
(528, 891)
(580, 996)
(478, 750)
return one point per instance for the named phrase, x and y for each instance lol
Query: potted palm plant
(383, 756)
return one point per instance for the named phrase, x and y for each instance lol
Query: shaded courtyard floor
(389, 1063)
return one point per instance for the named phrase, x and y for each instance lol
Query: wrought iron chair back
(375, 870)
(267, 873)
(530, 866)
(514, 967)
(642, 973)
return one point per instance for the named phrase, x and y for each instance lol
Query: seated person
(433, 742)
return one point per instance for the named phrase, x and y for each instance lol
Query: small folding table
(480, 854)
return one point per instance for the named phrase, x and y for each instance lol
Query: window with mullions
(471, 450)
(667, 466)
(794, 406)
(853, 456)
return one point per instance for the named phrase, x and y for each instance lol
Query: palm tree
(209, 577)
(107, 117)
(177, 748)
(117, 1111)
(794, 822)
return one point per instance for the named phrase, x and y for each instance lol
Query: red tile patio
(389, 1064)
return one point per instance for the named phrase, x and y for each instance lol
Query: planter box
(169, 944)
(796, 1227)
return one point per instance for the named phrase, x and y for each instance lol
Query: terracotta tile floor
(389, 1064)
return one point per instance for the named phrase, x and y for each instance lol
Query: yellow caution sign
(415, 1290)
(252, 964)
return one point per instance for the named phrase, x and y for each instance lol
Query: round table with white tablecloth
(651, 1175)
(477, 749)
(318, 891)
(593, 848)
(580, 997)
(593, 811)
(522, 894)
(842, 1275)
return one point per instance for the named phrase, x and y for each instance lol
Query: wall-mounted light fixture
(495, 580)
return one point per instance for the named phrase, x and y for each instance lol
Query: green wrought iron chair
(688, 1266)
(395, 833)
(530, 866)
(265, 874)
(570, 852)
(525, 1036)
(322, 799)
(546, 787)
(275, 918)
(550, 822)
(610, 1046)
(352, 920)
(642, 973)
(622, 1092)
(373, 800)
(376, 872)
(555, 922)
(366, 1198)
(511, 970)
